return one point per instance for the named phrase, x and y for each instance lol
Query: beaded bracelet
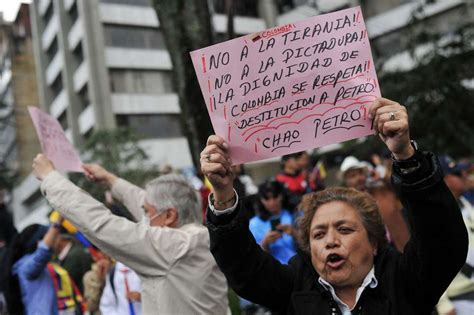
(222, 203)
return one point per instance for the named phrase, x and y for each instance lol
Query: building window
(133, 37)
(77, 56)
(48, 14)
(57, 85)
(241, 8)
(84, 99)
(88, 134)
(6, 98)
(129, 2)
(63, 120)
(52, 50)
(140, 81)
(73, 12)
(152, 125)
(34, 201)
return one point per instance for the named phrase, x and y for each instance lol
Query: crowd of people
(396, 238)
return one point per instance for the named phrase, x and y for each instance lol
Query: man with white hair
(168, 248)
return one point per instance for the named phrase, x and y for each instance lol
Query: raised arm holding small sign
(290, 88)
(54, 142)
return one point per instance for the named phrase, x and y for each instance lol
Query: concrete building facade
(7, 119)
(103, 63)
(18, 90)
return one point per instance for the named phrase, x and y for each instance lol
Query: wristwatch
(411, 164)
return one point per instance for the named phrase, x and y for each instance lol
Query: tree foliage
(118, 151)
(186, 26)
(436, 91)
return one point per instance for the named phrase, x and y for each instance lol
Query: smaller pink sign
(54, 142)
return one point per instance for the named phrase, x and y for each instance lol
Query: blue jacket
(37, 289)
(283, 248)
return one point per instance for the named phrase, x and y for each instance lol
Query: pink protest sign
(290, 88)
(54, 143)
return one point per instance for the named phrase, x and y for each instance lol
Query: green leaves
(119, 152)
(439, 101)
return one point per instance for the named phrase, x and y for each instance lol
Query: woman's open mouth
(335, 261)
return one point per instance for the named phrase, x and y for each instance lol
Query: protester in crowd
(198, 182)
(72, 256)
(7, 232)
(459, 297)
(392, 212)
(354, 173)
(168, 248)
(247, 186)
(7, 228)
(121, 295)
(346, 266)
(94, 281)
(246, 189)
(312, 174)
(455, 176)
(469, 194)
(44, 287)
(273, 226)
(382, 167)
(293, 178)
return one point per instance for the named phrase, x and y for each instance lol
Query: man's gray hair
(174, 191)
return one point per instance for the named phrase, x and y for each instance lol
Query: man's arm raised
(144, 249)
(131, 196)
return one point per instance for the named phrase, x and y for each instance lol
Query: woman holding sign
(346, 266)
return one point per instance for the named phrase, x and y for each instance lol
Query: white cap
(351, 163)
(367, 165)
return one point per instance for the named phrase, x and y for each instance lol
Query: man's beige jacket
(178, 273)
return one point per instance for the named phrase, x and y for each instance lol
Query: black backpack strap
(112, 284)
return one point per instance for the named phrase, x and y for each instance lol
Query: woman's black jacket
(408, 283)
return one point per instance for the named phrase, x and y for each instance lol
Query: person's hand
(98, 174)
(390, 122)
(134, 296)
(42, 166)
(286, 228)
(216, 165)
(270, 238)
